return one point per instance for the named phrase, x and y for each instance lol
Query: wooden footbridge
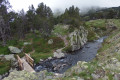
(26, 63)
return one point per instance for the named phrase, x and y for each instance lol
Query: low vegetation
(4, 66)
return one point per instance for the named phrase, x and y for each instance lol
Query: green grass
(117, 22)
(38, 56)
(4, 67)
(4, 50)
(41, 47)
(96, 23)
(67, 49)
(58, 29)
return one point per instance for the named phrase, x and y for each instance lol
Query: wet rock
(38, 68)
(14, 49)
(87, 46)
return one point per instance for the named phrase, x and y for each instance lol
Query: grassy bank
(106, 64)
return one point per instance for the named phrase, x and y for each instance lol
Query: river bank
(60, 65)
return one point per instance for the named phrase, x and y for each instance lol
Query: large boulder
(14, 49)
(78, 38)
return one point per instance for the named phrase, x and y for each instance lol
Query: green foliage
(91, 35)
(67, 49)
(28, 48)
(37, 56)
(96, 23)
(42, 49)
(71, 16)
(15, 43)
(4, 67)
(57, 43)
(59, 29)
(4, 50)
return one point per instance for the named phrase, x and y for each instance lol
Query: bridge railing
(29, 60)
(20, 63)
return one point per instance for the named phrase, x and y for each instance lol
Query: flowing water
(87, 53)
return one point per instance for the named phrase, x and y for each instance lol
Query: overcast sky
(17, 5)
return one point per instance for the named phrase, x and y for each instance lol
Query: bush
(57, 43)
(91, 35)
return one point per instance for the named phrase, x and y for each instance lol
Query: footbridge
(26, 63)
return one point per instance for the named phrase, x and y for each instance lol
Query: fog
(61, 5)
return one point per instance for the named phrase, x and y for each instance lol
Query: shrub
(57, 43)
(91, 35)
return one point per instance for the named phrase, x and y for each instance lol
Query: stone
(50, 41)
(49, 58)
(27, 43)
(58, 53)
(41, 59)
(14, 49)
(78, 38)
(10, 57)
